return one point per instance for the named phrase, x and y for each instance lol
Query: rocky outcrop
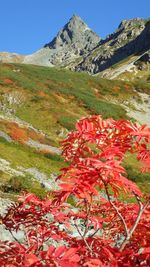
(132, 37)
(73, 42)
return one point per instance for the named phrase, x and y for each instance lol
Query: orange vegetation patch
(18, 134)
(43, 94)
(7, 125)
(61, 99)
(44, 152)
(127, 87)
(8, 81)
(10, 66)
(148, 92)
(22, 134)
(36, 136)
(14, 131)
(116, 88)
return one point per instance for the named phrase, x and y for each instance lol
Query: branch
(130, 232)
(88, 210)
(117, 211)
(94, 233)
(16, 239)
(82, 236)
(78, 230)
(140, 213)
(27, 239)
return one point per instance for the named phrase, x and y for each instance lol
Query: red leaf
(59, 251)
(69, 253)
(50, 251)
(75, 258)
(146, 251)
(30, 259)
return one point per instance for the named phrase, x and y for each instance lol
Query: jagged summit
(74, 31)
(74, 40)
(76, 19)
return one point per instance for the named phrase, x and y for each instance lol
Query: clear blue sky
(26, 25)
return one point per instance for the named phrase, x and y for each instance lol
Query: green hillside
(42, 104)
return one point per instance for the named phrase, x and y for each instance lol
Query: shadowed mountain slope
(131, 38)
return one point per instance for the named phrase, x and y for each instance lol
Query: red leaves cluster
(95, 229)
(96, 151)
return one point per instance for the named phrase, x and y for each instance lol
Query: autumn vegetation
(18, 134)
(86, 222)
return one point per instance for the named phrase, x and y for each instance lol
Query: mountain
(78, 48)
(131, 38)
(73, 42)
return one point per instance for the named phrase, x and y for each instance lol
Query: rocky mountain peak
(72, 42)
(75, 33)
(75, 20)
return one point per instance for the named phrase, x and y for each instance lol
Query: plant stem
(141, 210)
(117, 211)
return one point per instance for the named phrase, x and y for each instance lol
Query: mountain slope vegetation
(38, 107)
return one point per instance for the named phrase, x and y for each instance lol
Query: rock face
(77, 35)
(131, 38)
(73, 42)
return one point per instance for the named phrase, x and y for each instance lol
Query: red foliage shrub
(84, 223)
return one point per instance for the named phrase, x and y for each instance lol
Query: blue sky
(26, 25)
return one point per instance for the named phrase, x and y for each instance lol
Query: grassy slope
(52, 100)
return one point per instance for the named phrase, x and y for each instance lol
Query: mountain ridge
(78, 48)
(131, 37)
